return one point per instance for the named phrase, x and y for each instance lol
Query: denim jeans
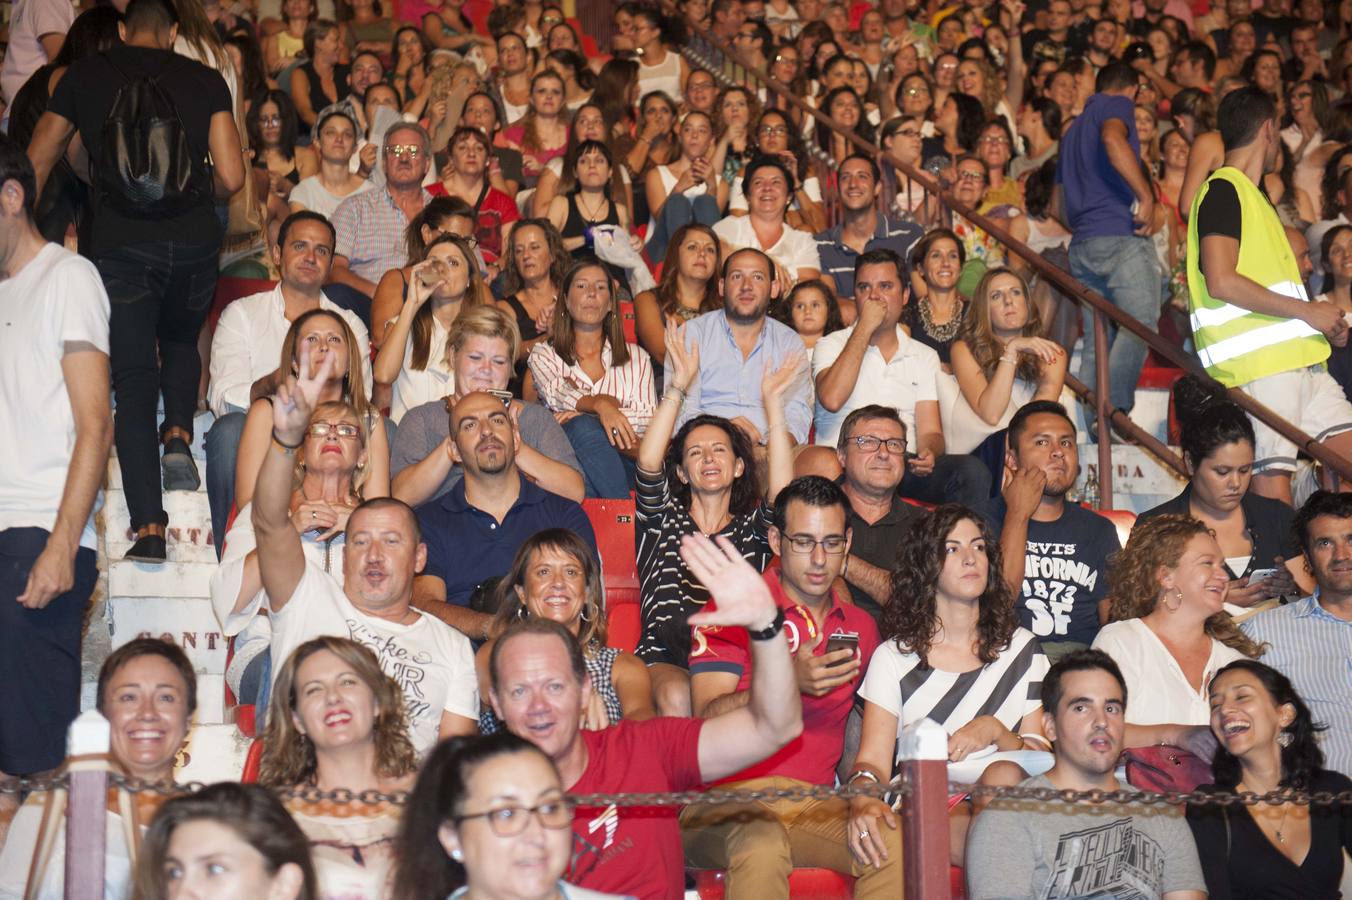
(160, 294)
(677, 212)
(608, 472)
(955, 479)
(1126, 271)
(222, 446)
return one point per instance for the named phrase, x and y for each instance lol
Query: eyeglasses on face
(833, 545)
(509, 821)
(412, 151)
(869, 443)
(342, 429)
(772, 130)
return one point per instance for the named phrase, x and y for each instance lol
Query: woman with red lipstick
(599, 386)
(147, 690)
(949, 627)
(337, 721)
(331, 480)
(1001, 361)
(1268, 742)
(1169, 632)
(488, 820)
(323, 332)
(555, 576)
(1262, 558)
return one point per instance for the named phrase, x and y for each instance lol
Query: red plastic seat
(629, 320)
(253, 763)
(229, 290)
(804, 884)
(613, 523)
(1123, 519)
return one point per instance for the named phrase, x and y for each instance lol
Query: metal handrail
(1104, 311)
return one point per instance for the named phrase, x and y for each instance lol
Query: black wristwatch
(774, 628)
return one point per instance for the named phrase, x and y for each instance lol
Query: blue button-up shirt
(729, 385)
(466, 546)
(838, 259)
(1313, 648)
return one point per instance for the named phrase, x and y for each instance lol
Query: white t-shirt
(312, 194)
(248, 342)
(29, 21)
(414, 387)
(56, 299)
(908, 379)
(431, 661)
(794, 250)
(1161, 693)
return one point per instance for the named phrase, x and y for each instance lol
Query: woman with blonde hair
(555, 576)
(1000, 361)
(323, 332)
(412, 355)
(337, 722)
(329, 482)
(1168, 630)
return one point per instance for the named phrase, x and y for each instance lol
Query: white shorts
(1307, 398)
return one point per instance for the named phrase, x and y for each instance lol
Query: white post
(86, 829)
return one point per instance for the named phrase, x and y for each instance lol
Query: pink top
(29, 21)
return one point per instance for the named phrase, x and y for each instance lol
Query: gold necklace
(1281, 826)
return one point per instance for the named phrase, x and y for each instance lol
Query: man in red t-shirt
(831, 642)
(539, 688)
(465, 176)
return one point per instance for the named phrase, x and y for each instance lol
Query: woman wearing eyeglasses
(331, 480)
(487, 820)
(776, 135)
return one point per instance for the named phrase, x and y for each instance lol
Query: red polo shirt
(813, 755)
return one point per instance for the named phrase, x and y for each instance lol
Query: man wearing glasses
(831, 641)
(371, 225)
(872, 451)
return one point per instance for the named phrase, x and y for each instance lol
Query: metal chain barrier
(897, 789)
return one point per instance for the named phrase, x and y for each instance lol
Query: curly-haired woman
(337, 721)
(952, 637)
(1169, 631)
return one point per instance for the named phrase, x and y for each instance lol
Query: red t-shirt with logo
(634, 850)
(813, 755)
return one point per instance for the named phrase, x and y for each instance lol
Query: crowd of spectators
(514, 270)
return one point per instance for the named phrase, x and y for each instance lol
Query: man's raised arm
(773, 713)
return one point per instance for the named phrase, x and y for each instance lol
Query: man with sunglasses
(831, 641)
(371, 225)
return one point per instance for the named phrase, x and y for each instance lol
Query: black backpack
(146, 168)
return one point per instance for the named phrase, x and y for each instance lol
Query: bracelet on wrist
(865, 774)
(1012, 360)
(284, 445)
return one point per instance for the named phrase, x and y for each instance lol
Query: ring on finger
(863, 835)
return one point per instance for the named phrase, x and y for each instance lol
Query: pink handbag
(1163, 768)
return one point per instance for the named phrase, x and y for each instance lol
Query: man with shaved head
(473, 531)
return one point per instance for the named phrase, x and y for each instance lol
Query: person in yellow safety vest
(1253, 325)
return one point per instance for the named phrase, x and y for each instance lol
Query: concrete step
(189, 536)
(214, 753)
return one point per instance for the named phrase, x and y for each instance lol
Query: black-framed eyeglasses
(509, 821)
(869, 443)
(832, 545)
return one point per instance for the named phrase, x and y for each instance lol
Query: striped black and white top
(1008, 688)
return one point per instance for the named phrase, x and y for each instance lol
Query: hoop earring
(587, 607)
(521, 613)
(1174, 608)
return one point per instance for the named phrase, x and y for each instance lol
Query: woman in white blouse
(1169, 632)
(598, 386)
(1000, 361)
(952, 651)
(414, 356)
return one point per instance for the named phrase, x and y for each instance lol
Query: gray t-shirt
(424, 427)
(1023, 849)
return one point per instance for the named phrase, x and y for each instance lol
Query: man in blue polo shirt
(862, 227)
(1108, 206)
(473, 531)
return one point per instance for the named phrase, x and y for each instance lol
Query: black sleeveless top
(318, 99)
(578, 225)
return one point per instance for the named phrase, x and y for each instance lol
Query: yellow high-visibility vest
(1236, 345)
